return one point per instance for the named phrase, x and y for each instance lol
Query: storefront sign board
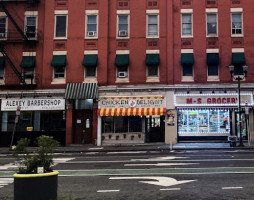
(132, 102)
(32, 104)
(210, 100)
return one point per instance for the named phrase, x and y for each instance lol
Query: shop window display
(203, 121)
(122, 124)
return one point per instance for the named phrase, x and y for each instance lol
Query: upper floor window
(211, 24)
(30, 26)
(91, 26)
(61, 24)
(186, 24)
(3, 27)
(152, 25)
(123, 26)
(237, 24)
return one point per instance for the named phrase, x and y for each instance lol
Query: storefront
(211, 116)
(131, 119)
(37, 116)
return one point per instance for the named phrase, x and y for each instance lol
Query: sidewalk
(141, 147)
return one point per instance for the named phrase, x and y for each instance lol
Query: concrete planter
(36, 186)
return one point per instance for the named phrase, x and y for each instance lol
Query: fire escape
(28, 38)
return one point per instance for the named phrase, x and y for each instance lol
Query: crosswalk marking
(5, 181)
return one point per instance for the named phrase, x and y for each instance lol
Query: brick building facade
(127, 71)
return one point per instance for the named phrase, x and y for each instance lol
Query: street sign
(16, 119)
(246, 108)
(18, 111)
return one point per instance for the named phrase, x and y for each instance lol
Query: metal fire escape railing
(26, 40)
(20, 77)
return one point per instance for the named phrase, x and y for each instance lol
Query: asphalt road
(183, 175)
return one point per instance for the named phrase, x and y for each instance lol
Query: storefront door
(241, 125)
(83, 127)
(155, 129)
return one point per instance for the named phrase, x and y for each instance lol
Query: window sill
(90, 80)
(186, 36)
(153, 37)
(187, 79)
(212, 36)
(58, 81)
(237, 35)
(60, 38)
(123, 38)
(122, 80)
(91, 38)
(152, 79)
(213, 78)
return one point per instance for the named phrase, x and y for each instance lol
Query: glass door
(241, 125)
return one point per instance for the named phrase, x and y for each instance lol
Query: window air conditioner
(122, 74)
(123, 33)
(91, 33)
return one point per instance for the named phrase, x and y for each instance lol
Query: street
(190, 174)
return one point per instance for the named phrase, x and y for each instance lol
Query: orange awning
(131, 111)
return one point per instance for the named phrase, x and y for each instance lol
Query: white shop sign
(210, 100)
(32, 104)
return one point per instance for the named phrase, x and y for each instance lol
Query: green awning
(122, 60)
(90, 60)
(58, 61)
(2, 62)
(152, 59)
(81, 91)
(28, 62)
(238, 58)
(212, 59)
(187, 59)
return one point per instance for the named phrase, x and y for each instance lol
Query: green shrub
(42, 157)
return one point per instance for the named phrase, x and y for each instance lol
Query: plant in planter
(35, 178)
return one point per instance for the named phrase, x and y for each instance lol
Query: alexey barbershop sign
(190, 100)
(32, 104)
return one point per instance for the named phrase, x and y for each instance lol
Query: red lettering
(189, 101)
(214, 100)
(228, 100)
(199, 100)
(224, 100)
(209, 101)
(219, 100)
(233, 100)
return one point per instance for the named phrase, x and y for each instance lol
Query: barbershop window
(124, 124)
(38, 120)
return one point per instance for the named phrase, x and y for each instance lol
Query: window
(152, 70)
(211, 24)
(237, 24)
(3, 27)
(152, 26)
(187, 70)
(123, 124)
(59, 71)
(1, 73)
(61, 26)
(28, 74)
(91, 27)
(187, 24)
(91, 71)
(30, 26)
(123, 26)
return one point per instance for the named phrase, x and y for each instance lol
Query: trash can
(232, 140)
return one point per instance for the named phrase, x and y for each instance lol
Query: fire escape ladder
(20, 77)
(13, 21)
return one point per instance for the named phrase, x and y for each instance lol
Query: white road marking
(159, 158)
(160, 164)
(91, 153)
(108, 191)
(161, 181)
(96, 148)
(5, 181)
(126, 152)
(8, 166)
(170, 189)
(231, 188)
